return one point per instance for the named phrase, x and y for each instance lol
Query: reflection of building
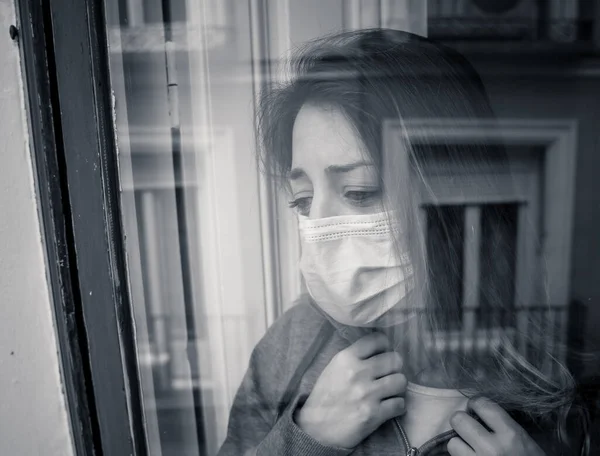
(538, 23)
(540, 63)
(538, 60)
(493, 271)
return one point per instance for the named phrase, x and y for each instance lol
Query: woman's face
(332, 173)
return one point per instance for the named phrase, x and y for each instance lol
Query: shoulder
(278, 354)
(294, 330)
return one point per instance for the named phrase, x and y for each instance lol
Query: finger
(457, 447)
(385, 364)
(494, 416)
(370, 345)
(471, 431)
(391, 408)
(390, 386)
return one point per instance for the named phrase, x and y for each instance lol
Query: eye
(363, 197)
(301, 205)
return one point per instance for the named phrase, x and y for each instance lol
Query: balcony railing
(535, 333)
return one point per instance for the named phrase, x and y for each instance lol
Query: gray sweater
(283, 368)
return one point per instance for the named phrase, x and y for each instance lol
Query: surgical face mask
(353, 269)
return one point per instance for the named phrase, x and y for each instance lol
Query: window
(192, 210)
(485, 226)
(472, 257)
(488, 254)
(184, 254)
(445, 245)
(498, 251)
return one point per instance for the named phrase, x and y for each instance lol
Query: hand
(507, 436)
(358, 391)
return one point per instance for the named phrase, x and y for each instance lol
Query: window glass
(184, 88)
(498, 254)
(445, 254)
(212, 248)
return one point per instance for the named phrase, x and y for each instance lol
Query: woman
(345, 370)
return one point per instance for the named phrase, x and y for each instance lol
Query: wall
(33, 416)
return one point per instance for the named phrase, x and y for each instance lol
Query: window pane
(445, 245)
(192, 211)
(212, 249)
(497, 263)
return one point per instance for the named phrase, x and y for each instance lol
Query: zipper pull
(412, 452)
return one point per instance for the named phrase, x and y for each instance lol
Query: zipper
(423, 449)
(410, 450)
(431, 443)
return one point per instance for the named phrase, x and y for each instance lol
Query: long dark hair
(376, 75)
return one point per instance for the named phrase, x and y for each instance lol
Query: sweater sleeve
(254, 429)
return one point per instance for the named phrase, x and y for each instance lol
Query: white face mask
(352, 269)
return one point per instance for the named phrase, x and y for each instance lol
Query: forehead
(323, 135)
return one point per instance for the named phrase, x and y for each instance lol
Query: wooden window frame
(65, 59)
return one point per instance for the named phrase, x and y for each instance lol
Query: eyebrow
(297, 173)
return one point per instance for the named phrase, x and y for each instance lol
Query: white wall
(33, 416)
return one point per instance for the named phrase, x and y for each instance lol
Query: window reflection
(212, 250)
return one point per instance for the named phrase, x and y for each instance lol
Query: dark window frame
(65, 59)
